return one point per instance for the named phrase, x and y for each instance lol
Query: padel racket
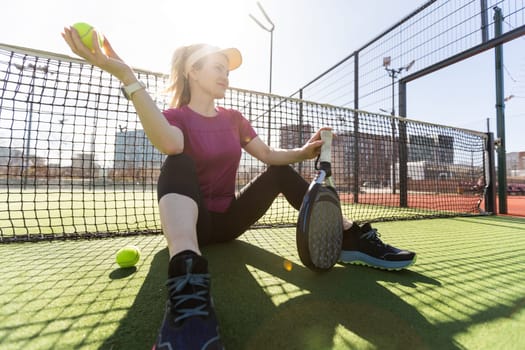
(319, 232)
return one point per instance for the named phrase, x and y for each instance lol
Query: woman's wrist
(128, 78)
(298, 155)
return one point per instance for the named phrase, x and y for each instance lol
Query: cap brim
(234, 57)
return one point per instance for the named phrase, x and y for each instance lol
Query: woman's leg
(179, 197)
(256, 198)
(178, 216)
(189, 321)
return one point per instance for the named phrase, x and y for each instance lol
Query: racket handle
(326, 148)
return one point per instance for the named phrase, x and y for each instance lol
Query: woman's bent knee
(178, 175)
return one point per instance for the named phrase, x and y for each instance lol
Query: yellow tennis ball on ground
(287, 264)
(85, 31)
(128, 256)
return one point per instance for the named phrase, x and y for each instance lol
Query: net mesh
(436, 31)
(74, 159)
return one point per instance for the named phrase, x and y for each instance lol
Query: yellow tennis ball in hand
(128, 256)
(85, 31)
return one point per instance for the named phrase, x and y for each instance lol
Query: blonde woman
(196, 188)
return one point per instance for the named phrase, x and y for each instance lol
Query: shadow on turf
(253, 316)
(249, 319)
(139, 327)
(122, 273)
(262, 306)
(497, 221)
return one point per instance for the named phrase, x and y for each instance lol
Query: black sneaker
(189, 321)
(362, 246)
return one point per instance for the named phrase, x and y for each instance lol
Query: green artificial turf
(466, 291)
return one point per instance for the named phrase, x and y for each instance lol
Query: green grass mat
(466, 291)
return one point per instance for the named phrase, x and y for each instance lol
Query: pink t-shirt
(214, 144)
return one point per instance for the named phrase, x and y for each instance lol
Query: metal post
(393, 73)
(269, 125)
(301, 122)
(27, 147)
(356, 127)
(393, 113)
(271, 58)
(490, 186)
(500, 114)
(403, 145)
(484, 21)
(269, 30)
(30, 99)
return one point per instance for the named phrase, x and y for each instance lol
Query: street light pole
(269, 29)
(393, 73)
(27, 147)
(271, 59)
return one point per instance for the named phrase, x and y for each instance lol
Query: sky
(310, 36)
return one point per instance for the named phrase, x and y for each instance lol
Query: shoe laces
(195, 301)
(373, 237)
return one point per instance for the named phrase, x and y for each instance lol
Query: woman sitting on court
(196, 187)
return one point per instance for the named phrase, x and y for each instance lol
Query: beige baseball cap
(232, 54)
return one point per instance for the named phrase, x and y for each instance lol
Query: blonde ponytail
(178, 83)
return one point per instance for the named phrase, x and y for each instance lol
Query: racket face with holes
(319, 232)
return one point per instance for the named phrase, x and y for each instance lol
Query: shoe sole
(358, 258)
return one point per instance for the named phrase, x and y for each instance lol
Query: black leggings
(178, 175)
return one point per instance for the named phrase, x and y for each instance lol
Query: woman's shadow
(307, 310)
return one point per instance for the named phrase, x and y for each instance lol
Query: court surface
(465, 292)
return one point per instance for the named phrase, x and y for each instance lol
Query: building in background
(516, 164)
(294, 136)
(431, 148)
(136, 160)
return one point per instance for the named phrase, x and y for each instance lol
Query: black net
(74, 160)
